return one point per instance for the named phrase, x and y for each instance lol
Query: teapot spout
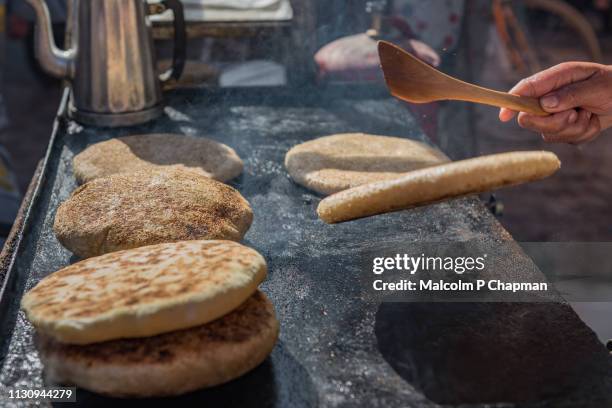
(56, 61)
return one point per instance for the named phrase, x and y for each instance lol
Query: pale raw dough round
(334, 163)
(169, 364)
(145, 291)
(154, 152)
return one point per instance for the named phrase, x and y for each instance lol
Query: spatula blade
(412, 80)
(406, 76)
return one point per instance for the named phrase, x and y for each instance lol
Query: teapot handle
(180, 41)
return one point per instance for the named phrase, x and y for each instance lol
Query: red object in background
(355, 59)
(351, 59)
(18, 27)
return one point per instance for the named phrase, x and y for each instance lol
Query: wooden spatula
(412, 80)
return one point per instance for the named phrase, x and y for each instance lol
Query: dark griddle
(336, 348)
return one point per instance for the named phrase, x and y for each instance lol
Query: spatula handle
(519, 103)
(504, 100)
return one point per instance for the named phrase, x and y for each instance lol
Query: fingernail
(572, 117)
(550, 101)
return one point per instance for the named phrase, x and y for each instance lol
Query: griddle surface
(337, 347)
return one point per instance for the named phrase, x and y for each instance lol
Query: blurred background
(318, 43)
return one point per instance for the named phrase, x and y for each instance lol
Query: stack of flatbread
(158, 320)
(166, 302)
(368, 175)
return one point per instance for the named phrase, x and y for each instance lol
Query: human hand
(578, 96)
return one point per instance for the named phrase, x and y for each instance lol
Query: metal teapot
(111, 59)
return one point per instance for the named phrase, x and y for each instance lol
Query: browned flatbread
(144, 291)
(157, 152)
(169, 364)
(131, 210)
(334, 163)
(438, 183)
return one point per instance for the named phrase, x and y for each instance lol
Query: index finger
(553, 78)
(549, 80)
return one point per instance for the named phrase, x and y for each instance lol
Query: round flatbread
(131, 210)
(157, 151)
(438, 183)
(145, 291)
(334, 163)
(172, 363)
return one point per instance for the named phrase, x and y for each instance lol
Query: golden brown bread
(131, 210)
(438, 183)
(154, 152)
(144, 291)
(168, 364)
(334, 163)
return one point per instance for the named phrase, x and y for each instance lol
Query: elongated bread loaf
(438, 183)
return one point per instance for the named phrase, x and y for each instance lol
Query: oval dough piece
(172, 363)
(157, 151)
(143, 292)
(131, 210)
(334, 163)
(438, 183)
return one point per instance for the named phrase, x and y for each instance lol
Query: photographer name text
(411, 265)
